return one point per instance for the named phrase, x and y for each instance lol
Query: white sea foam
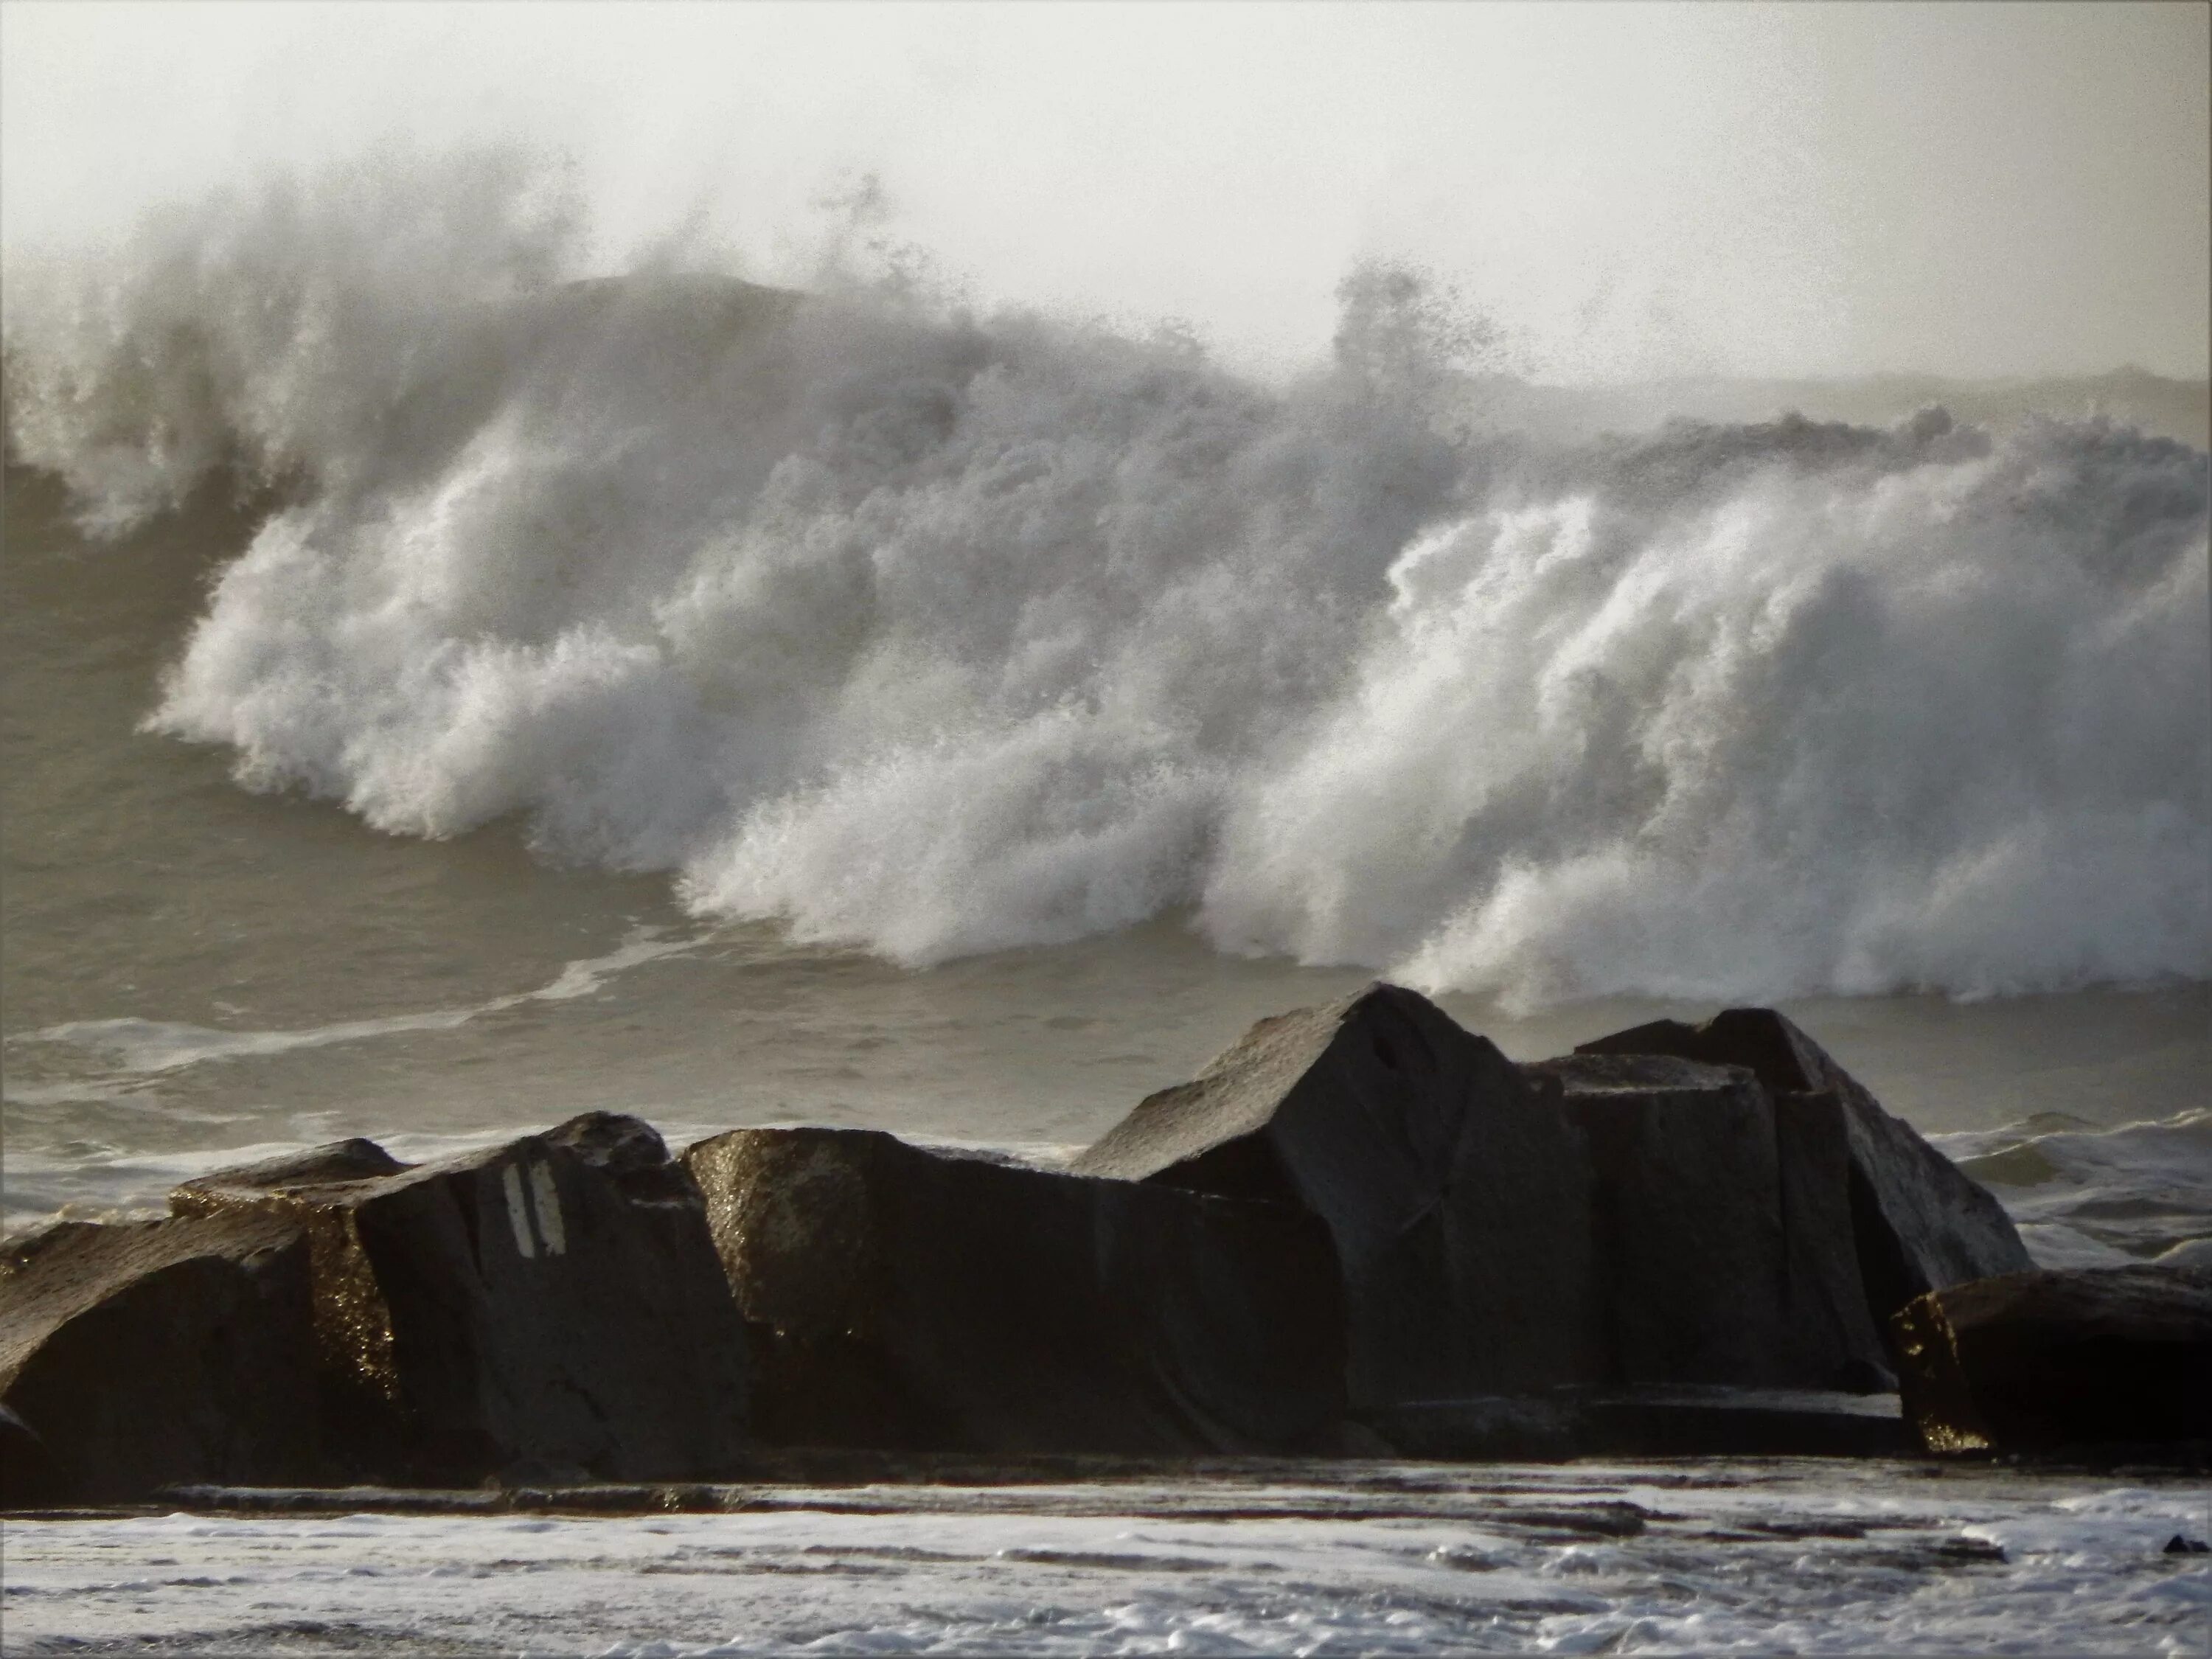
(2085, 1197)
(1759, 1557)
(935, 633)
(135, 1049)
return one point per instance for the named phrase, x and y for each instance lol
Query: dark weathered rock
(555, 1304)
(1457, 1195)
(31, 1477)
(1724, 1249)
(1919, 1223)
(1839, 1339)
(1687, 1197)
(139, 1354)
(354, 1159)
(902, 1298)
(2037, 1360)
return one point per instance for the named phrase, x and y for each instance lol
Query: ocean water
(1762, 1556)
(444, 691)
(447, 689)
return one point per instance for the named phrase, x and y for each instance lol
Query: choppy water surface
(192, 969)
(442, 696)
(1760, 1556)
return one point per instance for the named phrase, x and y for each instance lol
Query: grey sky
(1630, 190)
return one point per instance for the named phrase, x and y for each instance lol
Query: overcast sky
(1630, 189)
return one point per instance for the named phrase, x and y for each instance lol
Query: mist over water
(934, 633)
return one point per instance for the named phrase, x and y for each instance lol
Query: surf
(935, 631)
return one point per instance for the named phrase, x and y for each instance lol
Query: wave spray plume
(935, 632)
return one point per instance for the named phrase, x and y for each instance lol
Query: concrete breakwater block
(1457, 1192)
(2041, 1361)
(1359, 1224)
(1724, 1239)
(903, 1299)
(1918, 1222)
(143, 1354)
(554, 1305)
(1674, 1205)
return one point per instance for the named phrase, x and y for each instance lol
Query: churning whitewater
(934, 631)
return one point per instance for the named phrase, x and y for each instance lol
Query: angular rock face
(356, 1160)
(555, 1304)
(1724, 1240)
(1457, 1195)
(1695, 1243)
(1918, 1222)
(139, 1354)
(904, 1299)
(2037, 1360)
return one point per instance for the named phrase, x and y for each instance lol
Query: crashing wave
(934, 632)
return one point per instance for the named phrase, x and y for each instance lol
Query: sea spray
(936, 632)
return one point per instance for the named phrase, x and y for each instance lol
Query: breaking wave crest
(936, 632)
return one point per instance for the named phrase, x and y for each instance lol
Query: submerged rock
(555, 1302)
(1917, 1222)
(139, 1354)
(903, 1299)
(1456, 1194)
(2037, 1360)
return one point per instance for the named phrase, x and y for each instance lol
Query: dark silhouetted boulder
(1724, 1249)
(1686, 1196)
(139, 1354)
(1918, 1222)
(902, 1298)
(554, 1304)
(1456, 1194)
(31, 1477)
(355, 1160)
(2037, 1360)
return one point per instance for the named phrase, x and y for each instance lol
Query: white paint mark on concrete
(517, 1217)
(549, 1227)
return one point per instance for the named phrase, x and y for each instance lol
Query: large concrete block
(1919, 1223)
(553, 1306)
(140, 1354)
(1726, 1250)
(899, 1297)
(2037, 1360)
(1457, 1195)
(1687, 1199)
